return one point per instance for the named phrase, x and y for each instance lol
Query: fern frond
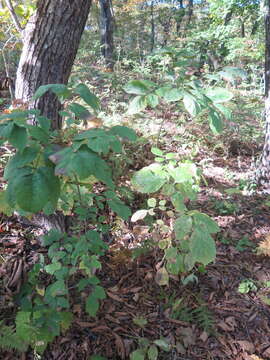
(9, 340)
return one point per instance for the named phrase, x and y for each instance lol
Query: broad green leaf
(91, 305)
(58, 89)
(98, 293)
(34, 190)
(119, 208)
(202, 247)
(174, 261)
(20, 159)
(173, 95)
(5, 208)
(191, 105)
(79, 111)
(148, 180)
(219, 95)
(163, 344)
(44, 123)
(58, 288)
(84, 163)
(152, 100)
(123, 132)
(215, 122)
(137, 104)
(138, 87)
(204, 222)
(66, 320)
(156, 151)
(52, 268)
(18, 137)
(152, 352)
(183, 173)
(182, 226)
(6, 129)
(178, 201)
(38, 133)
(162, 91)
(226, 112)
(139, 215)
(137, 355)
(88, 96)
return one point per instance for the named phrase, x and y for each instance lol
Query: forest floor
(224, 315)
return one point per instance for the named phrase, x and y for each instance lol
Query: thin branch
(14, 16)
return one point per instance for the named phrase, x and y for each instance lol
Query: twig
(14, 16)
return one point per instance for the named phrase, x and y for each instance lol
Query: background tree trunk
(263, 172)
(50, 43)
(106, 29)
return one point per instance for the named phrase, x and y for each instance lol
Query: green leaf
(152, 100)
(204, 222)
(52, 268)
(98, 292)
(5, 208)
(58, 89)
(137, 105)
(124, 132)
(79, 111)
(178, 201)
(84, 163)
(137, 355)
(119, 208)
(184, 173)
(173, 95)
(174, 261)
(44, 123)
(6, 129)
(162, 91)
(66, 320)
(152, 352)
(156, 151)
(58, 288)
(38, 134)
(202, 247)
(34, 190)
(215, 122)
(97, 357)
(20, 159)
(191, 105)
(88, 96)
(147, 180)
(182, 226)
(163, 345)
(226, 112)
(18, 137)
(91, 305)
(219, 95)
(138, 87)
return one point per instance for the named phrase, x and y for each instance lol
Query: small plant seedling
(243, 244)
(247, 286)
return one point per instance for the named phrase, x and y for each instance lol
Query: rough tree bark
(106, 30)
(50, 43)
(263, 171)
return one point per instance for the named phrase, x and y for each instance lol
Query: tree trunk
(106, 29)
(50, 43)
(152, 27)
(263, 171)
(190, 12)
